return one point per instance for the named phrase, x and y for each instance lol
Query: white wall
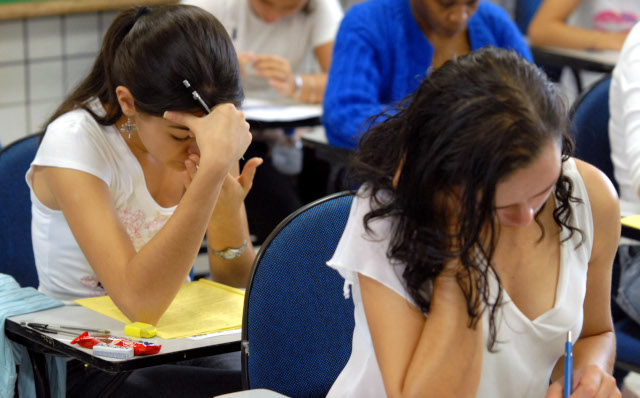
(41, 60)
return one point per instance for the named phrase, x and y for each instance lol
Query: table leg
(40, 374)
(114, 384)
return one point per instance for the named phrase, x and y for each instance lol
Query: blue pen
(568, 365)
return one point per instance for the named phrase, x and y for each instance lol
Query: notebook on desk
(631, 221)
(200, 307)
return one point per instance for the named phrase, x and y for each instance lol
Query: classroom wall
(41, 60)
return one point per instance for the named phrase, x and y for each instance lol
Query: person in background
(284, 49)
(385, 48)
(584, 24)
(274, 39)
(475, 243)
(624, 136)
(132, 172)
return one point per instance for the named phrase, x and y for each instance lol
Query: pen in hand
(568, 366)
(198, 98)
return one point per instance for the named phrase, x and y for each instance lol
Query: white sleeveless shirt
(76, 141)
(530, 349)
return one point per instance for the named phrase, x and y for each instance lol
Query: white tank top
(523, 364)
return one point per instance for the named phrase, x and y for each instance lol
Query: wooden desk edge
(63, 7)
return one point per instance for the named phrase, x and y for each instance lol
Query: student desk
(597, 61)
(630, 232)
(316, 139)
(284, 114)
(39, 343)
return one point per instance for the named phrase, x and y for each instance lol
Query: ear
(126, 101)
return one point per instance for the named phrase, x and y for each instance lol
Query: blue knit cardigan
(381, 55)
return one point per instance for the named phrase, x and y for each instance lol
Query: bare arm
(594, 351)
(143, 284)
(549, 28)
(277, 71)
(229, 228)
(437, 356)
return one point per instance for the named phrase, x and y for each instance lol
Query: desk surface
(280, 113)
(598, 61)
(173, 350)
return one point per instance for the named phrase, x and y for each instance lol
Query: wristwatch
(230, 253)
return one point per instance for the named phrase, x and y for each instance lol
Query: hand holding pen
(222, 135)
(196, 96)
(590, 381)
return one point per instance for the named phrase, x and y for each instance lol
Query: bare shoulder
(605, 207)
(602, 193)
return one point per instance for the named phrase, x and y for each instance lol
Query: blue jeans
(628, 297)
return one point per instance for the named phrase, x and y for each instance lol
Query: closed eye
(180, 138)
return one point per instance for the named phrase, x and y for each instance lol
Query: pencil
(568, 365)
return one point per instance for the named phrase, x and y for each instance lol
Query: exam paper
(200, 307)
(279, 111)
(631, 221)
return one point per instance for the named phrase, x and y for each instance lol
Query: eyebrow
(179, 127)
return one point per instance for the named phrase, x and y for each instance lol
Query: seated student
(270, 60)
(624, 136)
(584, 24)
(122, 195)
(476, 243)
(275, 41)
(385, 48)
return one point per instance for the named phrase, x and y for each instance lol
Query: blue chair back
(16, 251)
(590, 130)
(525, 10)
(298, 327)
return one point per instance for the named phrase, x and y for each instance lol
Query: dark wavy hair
(470, 124)
(151, 50)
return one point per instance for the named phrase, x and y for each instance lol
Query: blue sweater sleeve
(505, 30)
(355, 77)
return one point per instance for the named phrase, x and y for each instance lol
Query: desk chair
(298, 327)
(590, 119)
(525, 10)
(15, 211)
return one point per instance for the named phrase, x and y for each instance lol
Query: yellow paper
(200, 307)
(631, 221)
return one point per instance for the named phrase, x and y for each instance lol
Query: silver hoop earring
(128, 127)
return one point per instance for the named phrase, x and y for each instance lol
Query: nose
(520, 216)
(459, 15)
(193, 147)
